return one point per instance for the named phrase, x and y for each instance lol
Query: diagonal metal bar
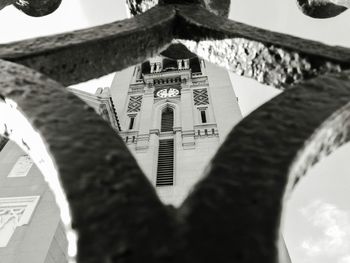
(90, 53)
(258, 165)
(269, 57)
(112, 202)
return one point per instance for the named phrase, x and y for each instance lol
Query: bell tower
(174, 111)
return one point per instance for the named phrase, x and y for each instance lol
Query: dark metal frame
(234, 213)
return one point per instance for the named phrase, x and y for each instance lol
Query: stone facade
(198, 87)
(143, 93)
(30, 227)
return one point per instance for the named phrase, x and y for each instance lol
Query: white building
(172, 111)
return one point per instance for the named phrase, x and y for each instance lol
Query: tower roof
(178, 51)
(170, 56)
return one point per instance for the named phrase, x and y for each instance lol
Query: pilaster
(187, 116)
(145, 120)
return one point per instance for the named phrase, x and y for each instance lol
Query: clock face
(166, 93)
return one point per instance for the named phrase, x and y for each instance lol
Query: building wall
(195, 143)
(43, 234)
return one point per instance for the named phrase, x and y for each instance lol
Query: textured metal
(4, 3)
(218, 7)
(323, 8)
(107, 192)
(33, 7)
(137, 7)
(234, 213)
(90, 53)
(271, 58)
(258, 165)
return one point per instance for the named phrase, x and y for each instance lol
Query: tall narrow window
(165, 168)
(167, 120)
(131, 124)
(203, 116)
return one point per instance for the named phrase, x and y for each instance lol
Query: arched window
(167, 122)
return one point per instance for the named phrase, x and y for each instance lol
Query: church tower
(174, 111)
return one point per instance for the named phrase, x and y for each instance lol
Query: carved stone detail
(15, 212)
(200, 97)
(135, 104)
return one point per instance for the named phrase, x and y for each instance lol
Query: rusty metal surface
(323, 8)
(107, 192)
(4, 3)
(137, 7)
(33, 7)
(218, 7)
(271, 58)
(265, 154)
(90, 53)
(234, 213)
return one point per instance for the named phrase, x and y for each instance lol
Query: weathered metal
(271, 58)
(323, 8)
(33, 7)
(107, 192)
(219, 7)
(257, 167)
(234, 213)
(137, 7)
(90, 53)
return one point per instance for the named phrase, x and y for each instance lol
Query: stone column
(187, 116)
(145, 118)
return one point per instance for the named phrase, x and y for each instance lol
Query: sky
(317, 217)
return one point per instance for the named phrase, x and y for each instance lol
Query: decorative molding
(21, 167)
(15, 212)
(200, 97)
(135, 104)
(202, 108)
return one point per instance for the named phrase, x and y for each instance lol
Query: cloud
(345, 259)
(331, 231)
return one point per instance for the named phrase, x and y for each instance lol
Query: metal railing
(234, 217)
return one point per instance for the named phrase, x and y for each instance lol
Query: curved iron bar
(111, 201)
(258, 165)
(81, 55)
(323, 8)
(271, 58)
(236, 209)
(33, 7)
(218, 7)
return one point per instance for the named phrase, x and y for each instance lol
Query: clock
(167, 93)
